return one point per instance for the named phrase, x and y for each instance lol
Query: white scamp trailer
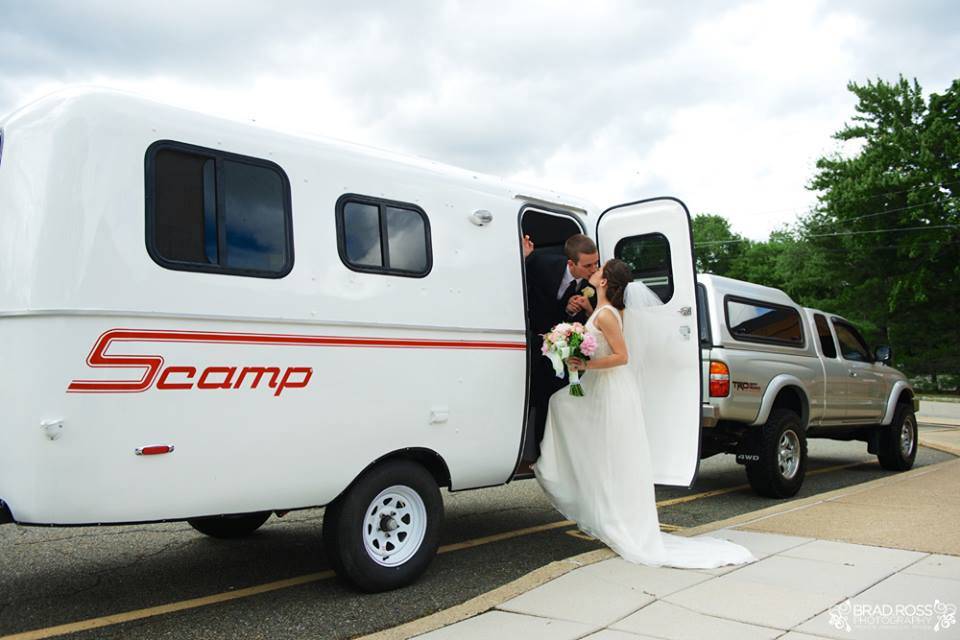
(204, 320)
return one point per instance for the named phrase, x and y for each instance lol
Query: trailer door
(654, 237)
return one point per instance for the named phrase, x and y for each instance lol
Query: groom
(555, 285)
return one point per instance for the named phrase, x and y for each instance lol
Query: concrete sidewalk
(945, 413)
(877, 560)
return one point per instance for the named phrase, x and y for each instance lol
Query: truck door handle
(686, 311)
(853, 374)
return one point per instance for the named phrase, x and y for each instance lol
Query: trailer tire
(383, 531)
(230, 526)
(898, 440)
(782, 446)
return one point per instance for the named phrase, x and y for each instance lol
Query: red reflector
(719, 380)
(154, 450)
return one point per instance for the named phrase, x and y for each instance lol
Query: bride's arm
(614, 335)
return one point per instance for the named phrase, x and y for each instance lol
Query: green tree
(715, 245)
(887, 226)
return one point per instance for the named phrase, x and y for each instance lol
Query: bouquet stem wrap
(575, 388)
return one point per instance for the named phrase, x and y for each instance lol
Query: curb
(938, 421)
(942, 446)
(487, 601)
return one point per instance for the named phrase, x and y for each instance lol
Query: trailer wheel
(231, 526)
(782, 447)
(382, 533)
(898, 441)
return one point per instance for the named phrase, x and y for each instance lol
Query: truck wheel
(782, 448)
(382, 533)
(232, 526)
(898, 441)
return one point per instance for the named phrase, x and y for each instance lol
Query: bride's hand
(576, 364)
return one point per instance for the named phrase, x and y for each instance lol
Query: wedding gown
(594, 466)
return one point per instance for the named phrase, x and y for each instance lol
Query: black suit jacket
(544, 275)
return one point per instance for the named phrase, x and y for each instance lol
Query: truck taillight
(719, 380)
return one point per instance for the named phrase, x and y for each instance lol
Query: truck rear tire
(231, 526)
(898, 441)
(782, 447)
(383, 532)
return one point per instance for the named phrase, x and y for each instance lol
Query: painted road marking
(237, 594)
(741, 487)
(194, 603)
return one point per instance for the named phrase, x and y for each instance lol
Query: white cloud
(724, 105)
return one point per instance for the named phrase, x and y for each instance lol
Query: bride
(595, 460)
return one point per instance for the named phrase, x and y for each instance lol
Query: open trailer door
(654, 237)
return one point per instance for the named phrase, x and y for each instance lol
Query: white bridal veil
(638, 299)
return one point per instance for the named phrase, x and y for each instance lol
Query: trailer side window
(648, 256)
(217, 212)
(755, 321)
(383, 236)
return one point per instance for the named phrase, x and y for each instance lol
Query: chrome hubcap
(906, 437)
(789, 454)
(394, 526)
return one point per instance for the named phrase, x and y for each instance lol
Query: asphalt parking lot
(167, 581)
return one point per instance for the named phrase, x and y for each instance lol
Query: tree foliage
(882, 245)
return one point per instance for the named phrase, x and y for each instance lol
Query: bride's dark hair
(618, 275)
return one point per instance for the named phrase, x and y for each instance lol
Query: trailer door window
(217, 212)
(648, 256)
(383, 236)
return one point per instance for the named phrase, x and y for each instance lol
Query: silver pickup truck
(776, 374)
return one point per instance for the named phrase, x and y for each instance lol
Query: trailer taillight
(719, 380)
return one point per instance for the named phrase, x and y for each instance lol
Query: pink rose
(589, 345)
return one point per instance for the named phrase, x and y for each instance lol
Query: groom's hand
(572, 307)
(583, 302)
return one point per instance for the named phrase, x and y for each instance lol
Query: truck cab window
(852, 346)
(826, 338)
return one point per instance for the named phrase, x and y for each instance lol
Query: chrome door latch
(685, 311)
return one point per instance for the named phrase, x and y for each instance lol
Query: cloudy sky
(726, 105)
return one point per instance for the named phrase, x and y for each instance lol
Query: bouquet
(565, 341)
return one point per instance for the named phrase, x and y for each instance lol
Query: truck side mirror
(884, 355)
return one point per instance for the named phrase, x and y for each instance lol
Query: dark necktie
(570, 290)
